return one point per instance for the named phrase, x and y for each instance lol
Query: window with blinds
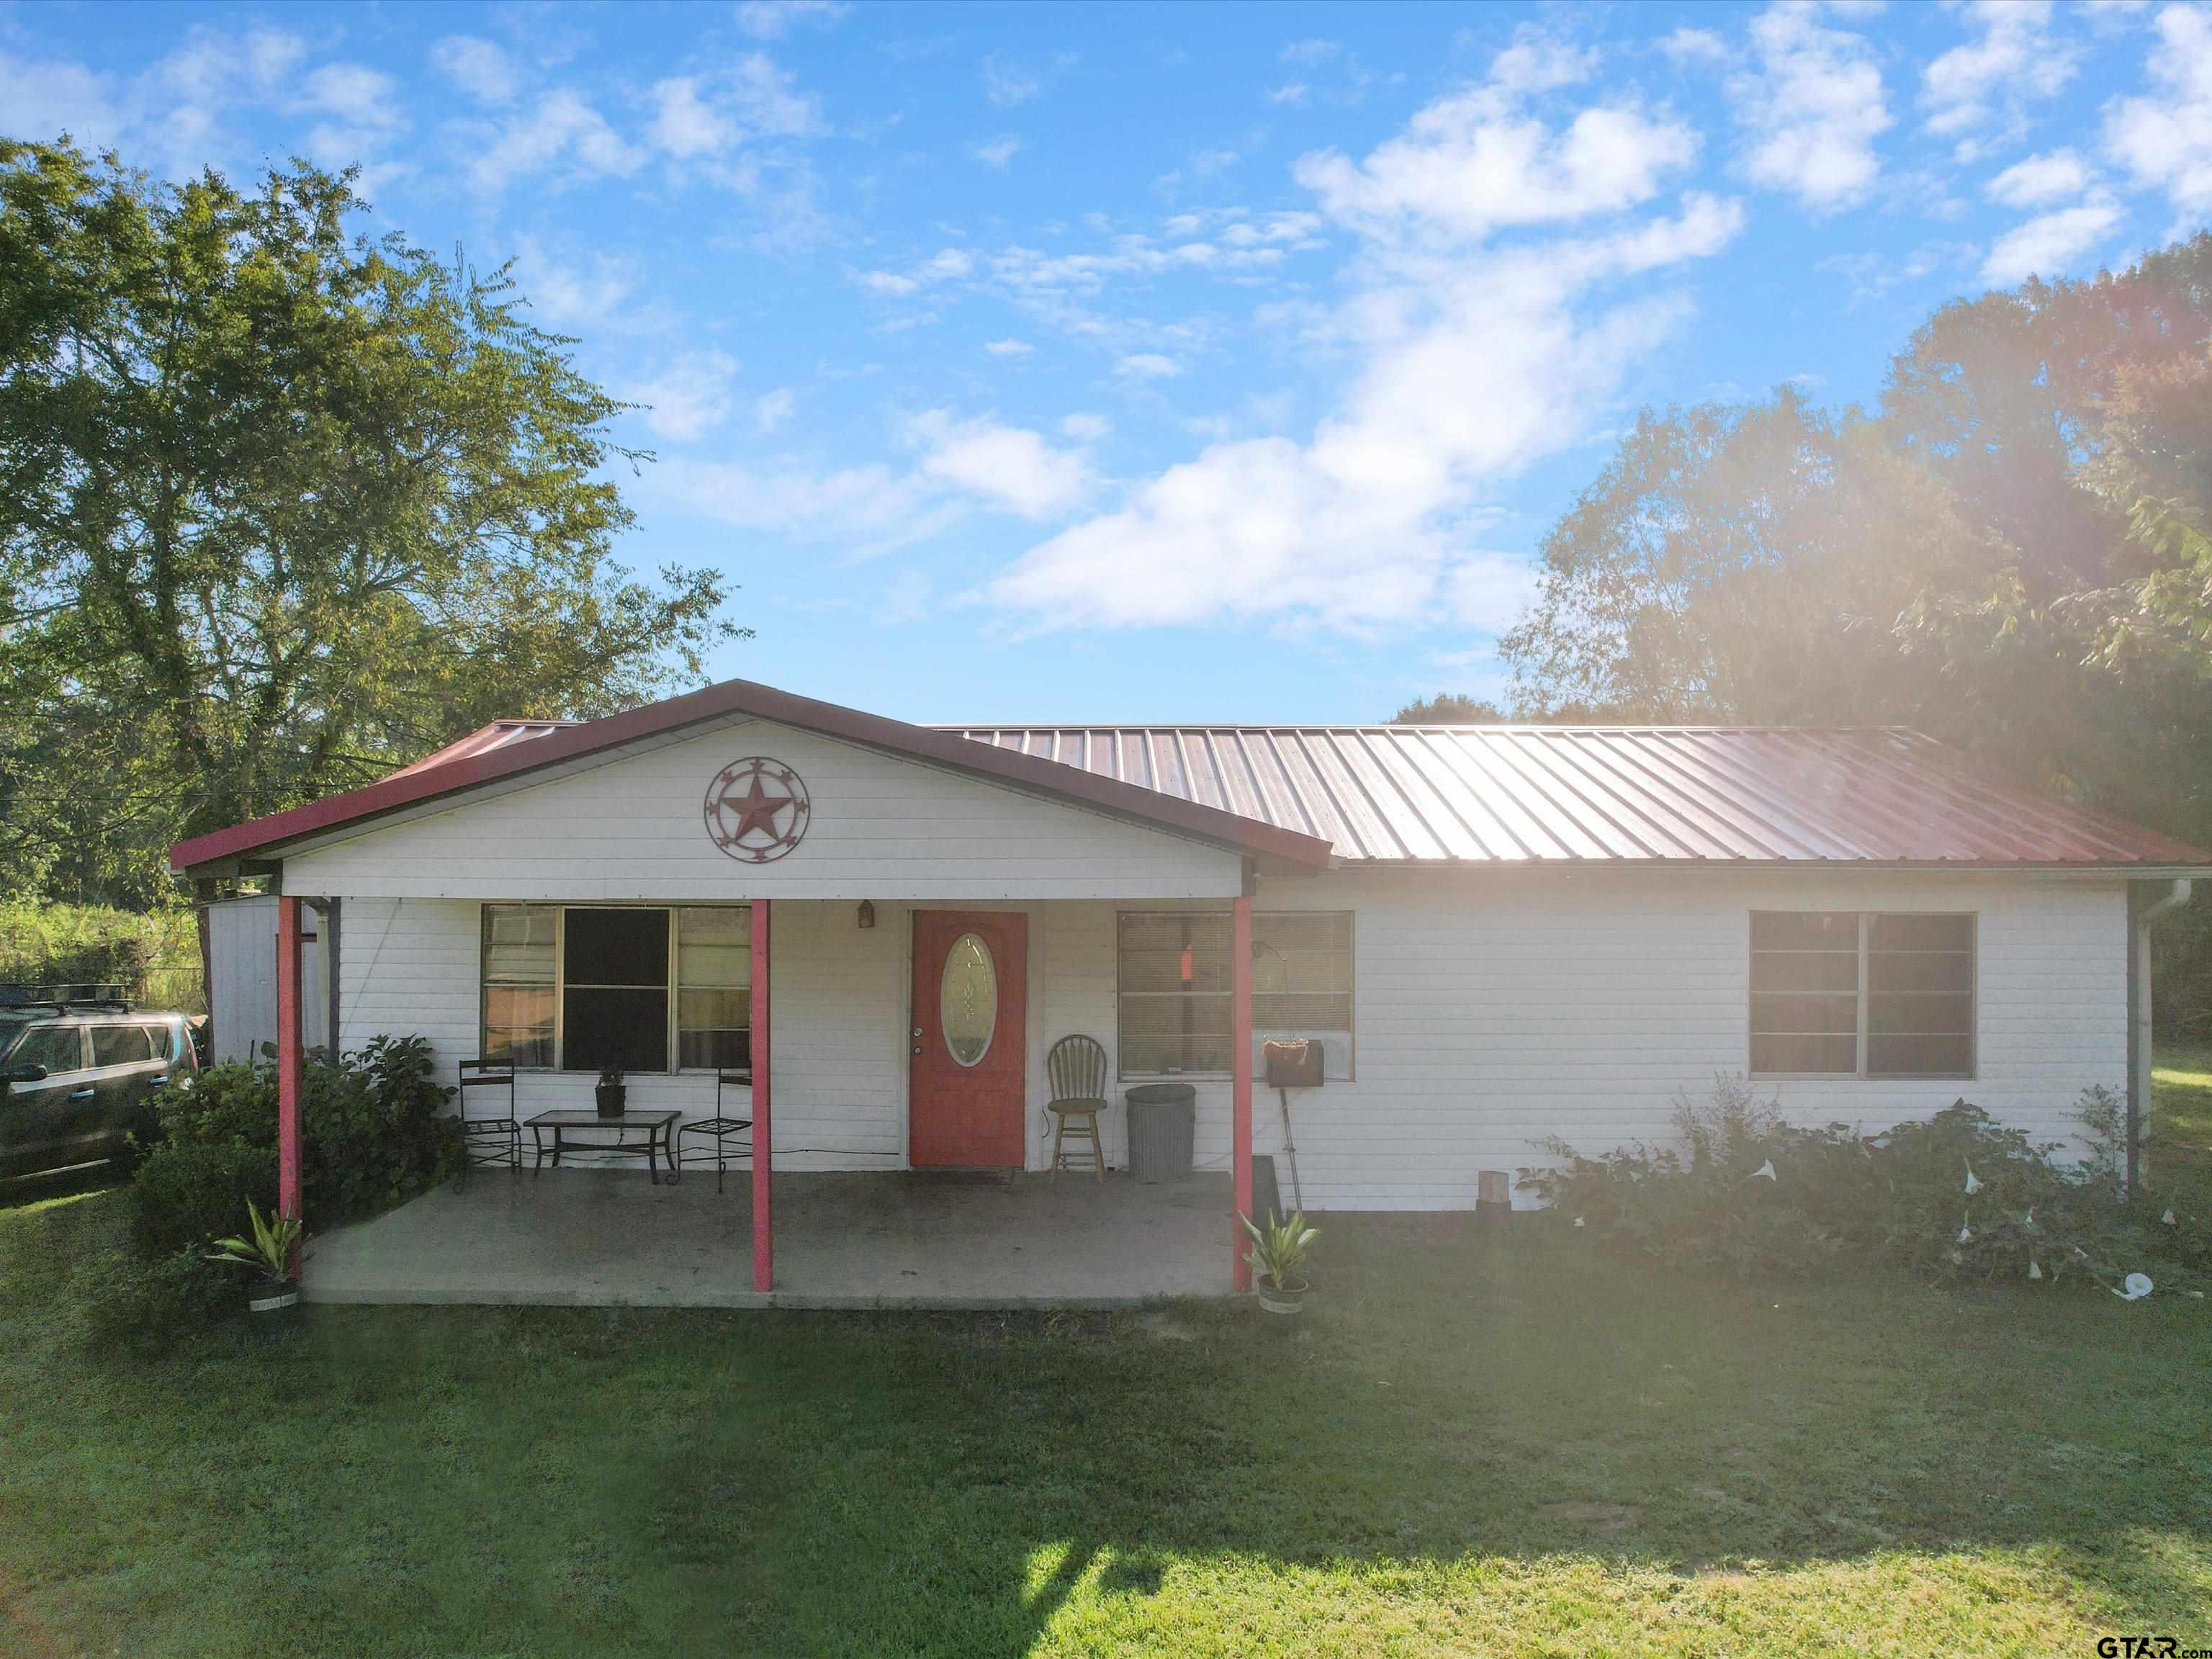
(1860, 993)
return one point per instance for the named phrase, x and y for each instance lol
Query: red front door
(970, 1008)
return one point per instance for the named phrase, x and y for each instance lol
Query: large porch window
(1174, 987)
(649, 988)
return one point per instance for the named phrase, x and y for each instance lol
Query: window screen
(1852, 993)
(713, 981)
(1920, 996)
(1302, 980)
(1174, 993)
(518, 982)
(614, 990)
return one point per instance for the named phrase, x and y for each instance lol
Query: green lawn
(2181, 1123)
(1473, 1448)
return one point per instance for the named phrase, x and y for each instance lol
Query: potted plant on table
(611, 1092)
(1277, 1257)
(268, 1253)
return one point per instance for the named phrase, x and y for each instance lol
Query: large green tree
(282, 504)
(2011, 552)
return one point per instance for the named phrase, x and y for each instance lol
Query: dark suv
(79, 1077)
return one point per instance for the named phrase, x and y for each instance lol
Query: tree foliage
(281, 505)
(2011, 552)
(1449, 709)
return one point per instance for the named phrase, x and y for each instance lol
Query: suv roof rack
(108, 1005)
(62, 997)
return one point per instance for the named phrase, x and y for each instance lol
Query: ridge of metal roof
(1613, 793)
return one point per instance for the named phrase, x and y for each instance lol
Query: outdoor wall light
(867, 913)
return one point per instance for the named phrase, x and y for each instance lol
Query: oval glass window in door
(967, 1002)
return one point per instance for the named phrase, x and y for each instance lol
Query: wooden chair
(1076, 1070)
(487, 1140)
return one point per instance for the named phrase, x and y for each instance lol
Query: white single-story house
(1497, 933)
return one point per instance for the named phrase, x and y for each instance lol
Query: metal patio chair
(488, 1140)
(731, 1135)
(1076, 1070)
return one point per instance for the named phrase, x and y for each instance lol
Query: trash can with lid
(1163, 1118)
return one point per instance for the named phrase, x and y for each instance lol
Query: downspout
(2142, 911)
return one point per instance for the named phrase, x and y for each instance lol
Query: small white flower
(2029, 1220)
(1766, 1169)
(2138, 1286)
(2167, 1217)
(1578, 1221)
(1967, 1229)
(1973, 1180)
(2034, 1268)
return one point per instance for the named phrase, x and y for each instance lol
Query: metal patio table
(659, 1128)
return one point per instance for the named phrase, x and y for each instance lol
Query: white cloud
(477, 66)
(2050, 243)
(688, 396)
(1688, 46)
(1011, 466)
(1812, 108)
(170, 117)
(771, 19)
(2011, 61)
(2165, 140)
(1007, 84)
(1148, 366)
(772, 409)
(1539, 61)
(1310, 51)
(1292, 93)
(44, 99)
(362, 112)
(685, 125)
(865, 508)
(945, 266)
(1475, 161)
(565, 294)
(2039, 180)
(563, 131)
(1085, 428)
(997, 152)
(1475, 362)
(1008, 348)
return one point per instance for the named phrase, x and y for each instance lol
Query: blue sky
(1167, 362)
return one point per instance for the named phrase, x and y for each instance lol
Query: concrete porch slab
(608, 1238)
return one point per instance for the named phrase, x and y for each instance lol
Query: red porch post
(763, 1150)
(1240, 1087)
(289, 1043)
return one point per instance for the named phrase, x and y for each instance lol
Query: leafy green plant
(373, 1134)
(269, 1251)
(1959, 1195)
(1279, 1249)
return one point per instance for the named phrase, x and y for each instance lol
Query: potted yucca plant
(1277, 1257)
(268, 1253)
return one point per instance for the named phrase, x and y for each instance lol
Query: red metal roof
(1393, 794)
(1502, 794)
(485, 740)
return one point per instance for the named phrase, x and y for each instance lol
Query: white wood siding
(1495, 1011)
(1492, 1010)
(631, 825)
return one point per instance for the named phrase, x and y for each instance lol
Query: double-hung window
(647, 988)
(1862, 993)
(1174, 987)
